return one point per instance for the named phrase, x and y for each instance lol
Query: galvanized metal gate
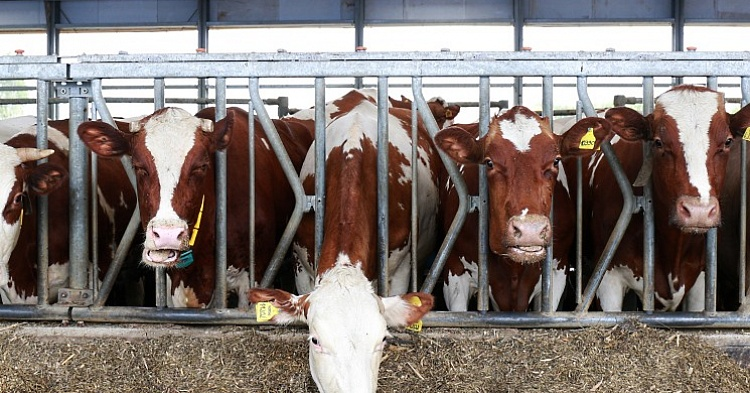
(80, 81)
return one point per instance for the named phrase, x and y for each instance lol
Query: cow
(443, 113)
(523, 161)
(729, 262)
(347, 320)
(173, 157)
(116, 204)
(689, 135)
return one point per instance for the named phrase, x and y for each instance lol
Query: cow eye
(489, 163)
(728, 143)
(556, 163)
(18, 198)
(140, 171)
(658, 143)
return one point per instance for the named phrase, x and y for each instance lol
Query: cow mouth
(526, 254)
(161, 258)
(695, 230)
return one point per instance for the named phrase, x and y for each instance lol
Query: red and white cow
(690, 135)
(173, 157)
(522, 157)
(347, 320)
(443, 113)
(25, 181)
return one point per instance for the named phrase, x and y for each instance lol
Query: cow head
(522, 157)
(18, 179)
(348, 325)
(443, 113)
(690, 134)
(172, 155)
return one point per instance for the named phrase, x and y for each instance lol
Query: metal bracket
(75, 297)
(473, 203)
(73, 89)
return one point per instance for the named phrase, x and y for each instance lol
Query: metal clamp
(75, 297)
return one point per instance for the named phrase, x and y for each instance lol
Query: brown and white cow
(173, 157)
(347, 320)
(522, 157)
(117, 202)
(443, 113)
(690, 135)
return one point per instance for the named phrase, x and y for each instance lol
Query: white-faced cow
(522, 157)
(173, 157)
(24, 181)
(690, 135)
(347, 320)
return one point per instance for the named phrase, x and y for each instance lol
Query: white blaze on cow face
(169, 138)
(692, 111)
(520, 130)
(345, 352)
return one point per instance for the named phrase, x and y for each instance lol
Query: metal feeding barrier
(79, 83)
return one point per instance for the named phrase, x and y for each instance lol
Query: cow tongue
(162, 256)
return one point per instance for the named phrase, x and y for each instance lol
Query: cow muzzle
(693, 215)
(164, 242)
(527, 237)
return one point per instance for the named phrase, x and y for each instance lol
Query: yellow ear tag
(265, 311)
(588, 141)
(746, 135)
(415, 327)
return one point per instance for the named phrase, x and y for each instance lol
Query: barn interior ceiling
(56, 15)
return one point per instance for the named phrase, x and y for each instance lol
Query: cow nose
(169, 237)
(692, 212)
(529, 230)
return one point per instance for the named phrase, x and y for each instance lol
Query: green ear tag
(588, 141)
(265, 311)
(746, 135)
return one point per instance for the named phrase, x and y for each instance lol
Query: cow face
(522, 156)
(348, 325)
(690, 136)
(17, 179)
(172, 155)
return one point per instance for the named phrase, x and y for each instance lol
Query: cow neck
(186, 257)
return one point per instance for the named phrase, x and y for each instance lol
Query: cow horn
(207, 125)
(31, 154)
(135, 126)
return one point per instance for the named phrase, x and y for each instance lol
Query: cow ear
(740, 121)
(628, 123)
(45, 178)
(460, 145)
(290, 307)
(103, 139)
(222, 132)
(406, 309)
(584, 136)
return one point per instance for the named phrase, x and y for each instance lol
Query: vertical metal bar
(712, 82)
(94, 224)
(79, 196)
(678, 32)
(579, 217)
(359, 33)
(160, 273)
(711, 268)
(483, 294)
(42, 232)
(252, 179)
(461, 190)
(220, 291)
(649, 228)
(291, 176)
(414, 195)
(320, 165)
(547, 264)
(518, 24)
(741, 263)
(202, 43)
(382, 147)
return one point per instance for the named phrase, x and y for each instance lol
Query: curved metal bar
(618, 231)
(292, 177)
(583, 95)
(463, 194)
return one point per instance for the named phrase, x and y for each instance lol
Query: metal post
(252, 180)
(711, 270)
(548, 263)
(579, 217)
(741, 263)
(382, 147)
(220, 289)
(414, 196)
(42, 232)
(649, 228)
(320, 166)
(483, 294)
